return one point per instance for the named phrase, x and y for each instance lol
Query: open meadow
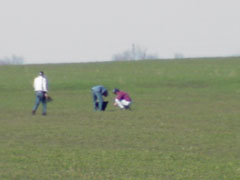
(184, 123)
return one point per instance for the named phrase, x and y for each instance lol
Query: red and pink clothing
(123, 100)
(121, 95)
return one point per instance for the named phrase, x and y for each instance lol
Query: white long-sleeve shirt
(40, 83)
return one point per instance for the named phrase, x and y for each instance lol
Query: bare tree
(135, 53)
(178, 56)
(12, 60)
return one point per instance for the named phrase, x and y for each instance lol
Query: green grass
(184, 122)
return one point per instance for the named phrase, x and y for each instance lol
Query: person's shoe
(127, 107)
(44, 114)
(33, 112)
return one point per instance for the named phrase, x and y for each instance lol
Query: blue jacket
(100, 89)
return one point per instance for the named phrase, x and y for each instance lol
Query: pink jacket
(121, 95)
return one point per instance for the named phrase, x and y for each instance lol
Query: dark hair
(105, 93)
(41, 73)
(115, 90)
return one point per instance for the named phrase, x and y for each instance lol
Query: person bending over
(97, 94)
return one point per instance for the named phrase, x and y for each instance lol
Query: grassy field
(184, 123)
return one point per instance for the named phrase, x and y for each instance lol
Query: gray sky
(49, 31)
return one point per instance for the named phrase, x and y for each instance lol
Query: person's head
(41, 73)
(105, 93)
(115, 90)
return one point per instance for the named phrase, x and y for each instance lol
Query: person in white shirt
(40, 85)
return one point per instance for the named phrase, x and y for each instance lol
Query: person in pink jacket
(122, 99)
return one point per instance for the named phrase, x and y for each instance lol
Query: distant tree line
(12, 60)
(178, 56)
(135, 53)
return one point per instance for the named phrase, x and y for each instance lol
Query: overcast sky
(49, 31)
